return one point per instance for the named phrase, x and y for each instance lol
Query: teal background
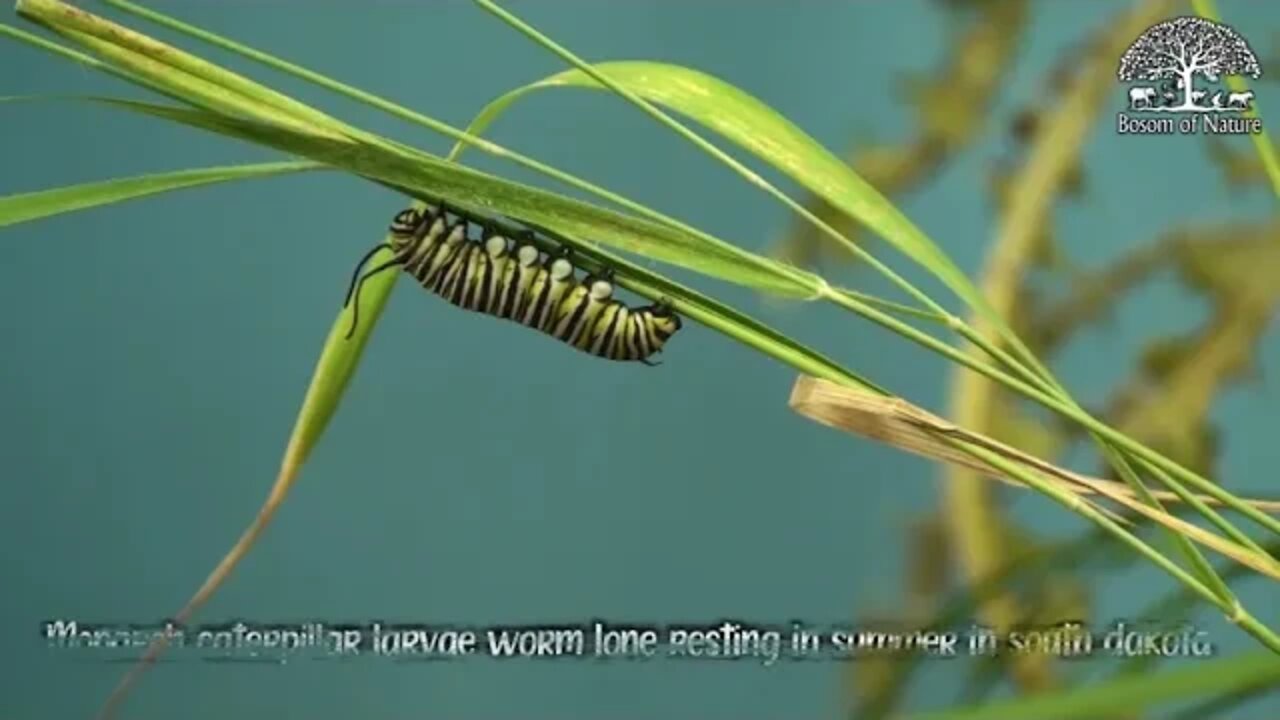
(155, 354)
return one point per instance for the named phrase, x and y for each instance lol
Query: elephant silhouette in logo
(1142, 97)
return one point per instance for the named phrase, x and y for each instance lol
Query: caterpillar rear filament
(497, 276)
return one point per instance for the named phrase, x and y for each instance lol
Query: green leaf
(25, 207)
(334, 370)
(430, 178)
(749, 123)
(1203, 677)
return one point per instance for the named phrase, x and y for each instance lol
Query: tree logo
(1168, 59)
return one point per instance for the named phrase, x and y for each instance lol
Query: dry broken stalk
(898, 423)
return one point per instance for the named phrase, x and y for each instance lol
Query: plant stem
(1261, 141)
(498, 151)
(1234, 611)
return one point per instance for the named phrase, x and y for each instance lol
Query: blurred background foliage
(1168, 396)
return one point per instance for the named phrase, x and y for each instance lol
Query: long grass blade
(750, 124)
(25, 207)
(338, 361)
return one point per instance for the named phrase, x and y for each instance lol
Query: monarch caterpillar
(515, 280)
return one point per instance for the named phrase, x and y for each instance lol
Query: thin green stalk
(28, 206)
(894, 307)
(1199, 564)
(1234, 611)
(1121, 464)
(1261, 141)
(1118, 461)
(1173, 607)
(1205, 510)
(1048, 385)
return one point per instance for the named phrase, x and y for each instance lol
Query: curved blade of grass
(334, 370)
(25, 207)
(744, 120)
(860, 199)
(1217, 704)
(1220, 675)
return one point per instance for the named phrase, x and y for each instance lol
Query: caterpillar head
(411, 225)
(407, 220)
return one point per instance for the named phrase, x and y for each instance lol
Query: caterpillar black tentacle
(504, 274)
